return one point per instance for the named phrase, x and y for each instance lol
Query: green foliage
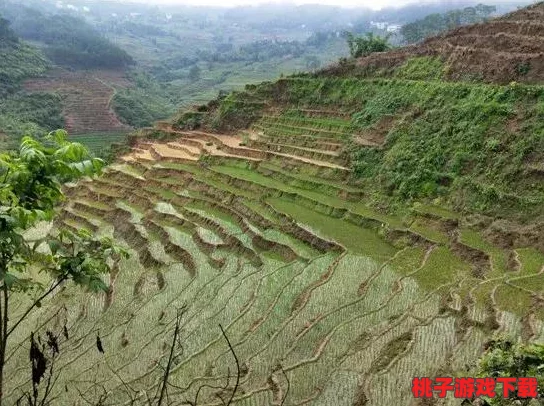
(43, 109)
(451, 138)
(441, 139)
(421, 68)
(436, 23)
(18, 61)
(189, 120)
(71, 41)
(505, 358)
(363, 46)
(29, 192)
(32, 177)
(194, 73)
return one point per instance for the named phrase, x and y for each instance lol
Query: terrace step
(231, 144)
(310, 183)
(310, 130)
(325, 113)
(192, 150)
(167, 151)
(299, 141)
(270, 131)
(325, 124)
(320, 155)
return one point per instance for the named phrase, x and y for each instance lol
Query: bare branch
(288, 386)
(211, 387)
(127, 386)
(25, 314)
(237, 365)
(48, 387)
(166, 375)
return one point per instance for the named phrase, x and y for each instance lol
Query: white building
(394, 28)
(381, 25)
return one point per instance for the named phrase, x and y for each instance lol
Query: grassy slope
(22, 113)
(473, 146)
(410, 293)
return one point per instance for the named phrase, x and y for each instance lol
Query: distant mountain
(67, 40)
(18, 60)
(502, 50)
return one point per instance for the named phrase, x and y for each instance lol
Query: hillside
(42, 95)
(86, 97)
(19, 112)
(348, 233)
(508, 48)
(36, 99)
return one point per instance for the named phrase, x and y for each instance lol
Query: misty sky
(374, 4)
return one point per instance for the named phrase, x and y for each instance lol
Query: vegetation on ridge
(434, 24)
(471, 145)
(29, 193)
(328, 222)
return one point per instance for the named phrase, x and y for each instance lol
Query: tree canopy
(436, 23)
(366, 45)
(70, 41)
(505, 358)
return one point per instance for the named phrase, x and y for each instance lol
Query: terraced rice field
(87, 98)
(99, 141)
(325, 300)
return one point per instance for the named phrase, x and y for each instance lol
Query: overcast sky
(375, 4)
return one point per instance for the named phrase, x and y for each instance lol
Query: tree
(436, 23)
(30, 189)
(363, 46)
(6, 34)
(505, 358)
(194, 73)
(312, 62)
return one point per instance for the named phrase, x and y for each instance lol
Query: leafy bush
(363, 46)
(505, 358)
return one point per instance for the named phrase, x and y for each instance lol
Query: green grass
(499, 256)
(354, 238)
(421, 68)
(422, 227)
(436, 211)
(335, 202)
(308, 178)
(408, 260)
(99, 141)
(442, 268)
(511, 299)
(532, 261)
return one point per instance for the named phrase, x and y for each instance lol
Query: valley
(324, 297)
(319, 239)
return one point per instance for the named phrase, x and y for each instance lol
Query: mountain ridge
(504, 49)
